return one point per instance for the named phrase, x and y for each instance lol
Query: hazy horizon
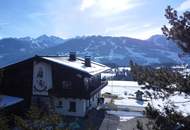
(77, 36)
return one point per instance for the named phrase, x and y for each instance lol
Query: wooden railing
(98, 88)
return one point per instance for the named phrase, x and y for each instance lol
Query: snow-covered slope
(15, 49)
(104, 49)
(119, 50)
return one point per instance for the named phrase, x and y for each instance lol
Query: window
(89, 103)
(72, 107)
(60, 104)
(66, 84)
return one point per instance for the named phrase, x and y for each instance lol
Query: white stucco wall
(93, 102)
(82, 105)
(64, 110)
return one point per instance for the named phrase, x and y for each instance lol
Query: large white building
(66, 84)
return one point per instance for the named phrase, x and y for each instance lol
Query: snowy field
(125, 116)
(125, 90)
(107, 75)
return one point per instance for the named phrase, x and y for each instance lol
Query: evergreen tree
(1, 77)
(139, 125)
(37, 119)
(180, 28)
(4, 121)
(166, 79)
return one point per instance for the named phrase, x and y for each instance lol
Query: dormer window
(66, 84)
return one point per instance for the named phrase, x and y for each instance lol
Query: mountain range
(104, 49)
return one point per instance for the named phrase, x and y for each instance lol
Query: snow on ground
(116, 83)
(124, 68)
(185, 72)
(131, 103)
(179, 67)
(125, 116)
(181, 103)
(125, 90)
(107, 75)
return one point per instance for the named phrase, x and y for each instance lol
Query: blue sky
(71, 18)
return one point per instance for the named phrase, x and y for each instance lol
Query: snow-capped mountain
(119, 50)
(43, 41)
(16, 49)
(48, 41)
(104, 49)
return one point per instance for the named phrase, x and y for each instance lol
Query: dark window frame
(60, 104)
(66, 84)
(72, 106)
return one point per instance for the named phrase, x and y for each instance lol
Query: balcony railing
(98, 87)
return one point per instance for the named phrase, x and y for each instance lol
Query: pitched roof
(79, 64)
(6, 101)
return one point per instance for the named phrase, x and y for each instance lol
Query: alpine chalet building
(66, 84)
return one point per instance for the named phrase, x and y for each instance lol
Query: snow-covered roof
(79, 64)
(6, 101)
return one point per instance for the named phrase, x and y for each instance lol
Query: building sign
(42, 78)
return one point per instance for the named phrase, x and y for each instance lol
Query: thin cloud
(108, 7)
(147, 25)
(142, 32)
(4, 23)
(87, 4)
(147, 33)
(38, 14)
(184, 5)
(121, 28)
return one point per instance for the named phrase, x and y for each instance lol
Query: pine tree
(4, 121)
(36, 118)
(180, 28)
(139, 125)
(1, 77)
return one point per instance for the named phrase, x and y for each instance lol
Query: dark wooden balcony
(79, 91)
(98, 87)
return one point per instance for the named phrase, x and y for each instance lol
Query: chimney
(72, 56)
(87, 61)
